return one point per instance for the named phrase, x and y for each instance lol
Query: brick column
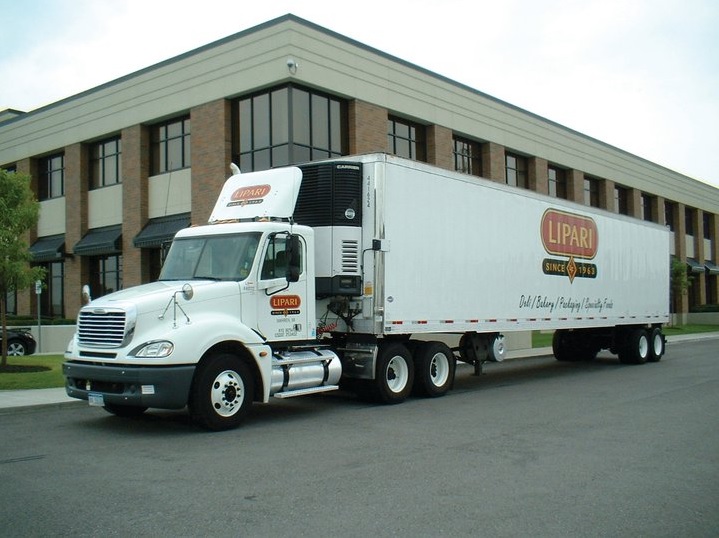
(211, 155)
(538, 175)
(135, 195)
(77, 268)
(658, 210)
(367, 128)
(700, 283)
(713, 256)
(634, 203)
(680, 249)
(439, 147)
(575, 186)
(606, 194)
(493, 164)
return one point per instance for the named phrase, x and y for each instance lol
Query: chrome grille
(102, 328)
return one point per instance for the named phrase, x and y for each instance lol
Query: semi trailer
(350, 272)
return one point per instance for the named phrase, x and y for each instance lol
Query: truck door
(283, 308)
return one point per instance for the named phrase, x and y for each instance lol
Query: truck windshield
(226, 257)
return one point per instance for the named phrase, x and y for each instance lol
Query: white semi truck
(349, 270)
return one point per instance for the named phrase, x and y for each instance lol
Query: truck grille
(106, 328)
(350, 256)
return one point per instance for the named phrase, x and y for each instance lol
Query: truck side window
(275, 262)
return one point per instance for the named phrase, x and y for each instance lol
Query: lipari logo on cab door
(570, 236)
(285, 305)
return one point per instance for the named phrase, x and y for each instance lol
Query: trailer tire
(635, 348)
(433, 369)
(656, 345)
(394, 375)
(221, 393)
(125, 411)
(562, 346)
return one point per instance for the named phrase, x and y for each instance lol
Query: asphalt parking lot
(534, 447)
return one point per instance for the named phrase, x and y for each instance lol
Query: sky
(641, 75)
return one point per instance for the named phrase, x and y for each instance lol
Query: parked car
(19, 342)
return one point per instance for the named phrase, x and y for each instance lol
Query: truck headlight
(159, 349)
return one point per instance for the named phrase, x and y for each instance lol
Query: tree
(19, 211)
(679, 281)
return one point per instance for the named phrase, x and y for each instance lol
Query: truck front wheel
(221, 393)
(395, 373)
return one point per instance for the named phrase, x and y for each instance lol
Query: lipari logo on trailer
(573, 236)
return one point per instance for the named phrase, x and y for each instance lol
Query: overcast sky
(642, 75)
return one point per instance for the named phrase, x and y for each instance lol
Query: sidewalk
(19, 400)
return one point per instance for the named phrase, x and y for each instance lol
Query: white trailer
(342, 270)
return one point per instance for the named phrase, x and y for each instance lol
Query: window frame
(520, 167)
(100, 161)
(162, 142)
(299, 125)
(557, 185)
(467, 156)
(51, 177)
(414, 139)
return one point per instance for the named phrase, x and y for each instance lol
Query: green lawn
(51, 376)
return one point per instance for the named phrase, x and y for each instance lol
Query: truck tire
(562, 346)
(635, 348)
(656, 345)
(394, 375)
(125, 411)
(433, 369)
(221, 393)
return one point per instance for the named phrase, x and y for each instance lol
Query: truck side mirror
(293, 253)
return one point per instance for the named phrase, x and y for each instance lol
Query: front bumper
(165, 387)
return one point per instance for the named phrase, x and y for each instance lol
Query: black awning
(161, 229)
(712, 268)
(48, 249)
(695, 266)
(100, 242)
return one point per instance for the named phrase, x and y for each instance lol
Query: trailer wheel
(125, 411)
(395, 373)
(635, 349)
(222, 392)
(434, 369)
(562, 346)
(656, 345)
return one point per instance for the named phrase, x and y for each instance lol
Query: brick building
(119, 168)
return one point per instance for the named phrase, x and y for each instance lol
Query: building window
(11, 302)
(171, 146)
(707, 224)
(288, 125)
(669, 215)
(557, 182)
(591, 192)
(516, 168)
(52, 303)
(406, 139)
(106, 163)
(621, 200)
(51, 180)
(647, 207)
(689, 220)
(467, 156)
(106, 274)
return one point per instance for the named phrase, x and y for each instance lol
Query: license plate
(96, 399)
